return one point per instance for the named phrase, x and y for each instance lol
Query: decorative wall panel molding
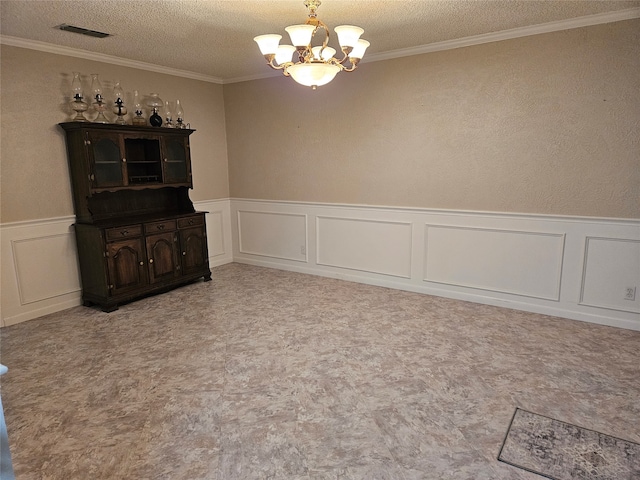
(534, 263)
(39, 269)
(215, 233)
(506, 261)
(374, 246)
(611, 268)
(271, 234)
(572, 267)
(218, 221)
(54, 252)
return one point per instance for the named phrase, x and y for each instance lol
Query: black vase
(155, 120)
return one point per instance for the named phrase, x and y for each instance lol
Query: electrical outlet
(630, 293)
(303, 250)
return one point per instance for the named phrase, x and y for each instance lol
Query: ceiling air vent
(82, 31)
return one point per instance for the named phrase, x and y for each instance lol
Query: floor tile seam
(475, 448)
(385, 442)
(314, 466)
(492, 457)
(224, 369)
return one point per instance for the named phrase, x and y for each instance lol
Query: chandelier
(317, 65)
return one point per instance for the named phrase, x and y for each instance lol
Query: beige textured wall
(545, 124)
(34, 88)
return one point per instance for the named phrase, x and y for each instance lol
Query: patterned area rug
(562, 451)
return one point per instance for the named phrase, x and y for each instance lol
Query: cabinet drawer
(191, 221)
(159, 227)
(123, 232)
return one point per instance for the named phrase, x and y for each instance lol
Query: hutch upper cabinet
(136, 229)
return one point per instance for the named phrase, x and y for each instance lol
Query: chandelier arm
(303, 53)
(326, 31)
(270, 58)
(316, 22)
(354, 64)
(345, 52)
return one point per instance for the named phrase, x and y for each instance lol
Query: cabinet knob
(141, 263)
(124, 160)
(124, 233)
(151, 260)
(166, 160)
(184, 253)
(92, 177)
(87, 142)
(160, 227)
(191, 221)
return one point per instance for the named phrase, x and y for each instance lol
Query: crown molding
(586, 21)
(259, 76)
(101, 57)
(559, 25)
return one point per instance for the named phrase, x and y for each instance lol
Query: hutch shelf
(137, 231)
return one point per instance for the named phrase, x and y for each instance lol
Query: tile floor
(266, 374)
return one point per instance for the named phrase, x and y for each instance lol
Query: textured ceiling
(214, 38)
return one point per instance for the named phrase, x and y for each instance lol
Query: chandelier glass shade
(315, 65)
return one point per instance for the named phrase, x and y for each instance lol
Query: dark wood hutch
(137, 231)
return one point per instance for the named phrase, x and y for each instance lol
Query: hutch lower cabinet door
(162, 251)
(193, 244)
(126, 265)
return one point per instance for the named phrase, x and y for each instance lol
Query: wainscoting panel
(276, 235)
(366, 245)
(215, 234)
(219, 240)
(55, 253)
(39, 269)
(611, 268)
(536, 263)
(572, 267)
(507, 261)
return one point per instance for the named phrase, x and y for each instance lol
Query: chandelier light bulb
(284, 54)
(268, 44)
(300, 34)
(359, 49)
(327, 53)
(348, 35)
